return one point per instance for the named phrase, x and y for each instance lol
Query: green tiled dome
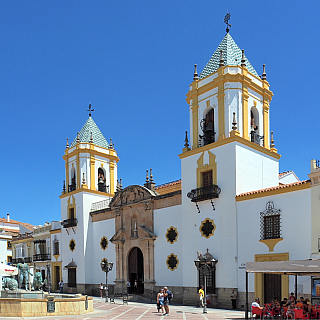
(232, 56)
(85, 134)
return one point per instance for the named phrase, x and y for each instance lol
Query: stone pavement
(143, 311)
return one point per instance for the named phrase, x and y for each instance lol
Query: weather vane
(226, 21)
(90, 110)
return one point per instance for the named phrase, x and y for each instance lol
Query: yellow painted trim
(274, 192)
(55, 231)
(101, 243)
(266, 123)
(56, 256)
(9, 248)
(78, 167)
(74, 245)
(229, 140)
(66, 158)
(201, 225)
(240, 78)
(221, 111)
(111, 157)
(70, 205)
(245, 121)
(270, 243)
(92, 173)
(54, 280)
(86, 190)
(259, 283)
(112, 184)
(176, 267)
(8, 258)
(201, 168)
(176, 239)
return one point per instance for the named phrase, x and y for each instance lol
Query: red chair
(298, 314)
(256, 311)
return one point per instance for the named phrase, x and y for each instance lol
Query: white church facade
(230, 200)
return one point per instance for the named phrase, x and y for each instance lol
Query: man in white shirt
(256, 303)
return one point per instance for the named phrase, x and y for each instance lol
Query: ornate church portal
(135, 270)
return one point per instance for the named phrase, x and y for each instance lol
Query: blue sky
(133, 61)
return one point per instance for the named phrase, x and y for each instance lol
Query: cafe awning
(293, 267)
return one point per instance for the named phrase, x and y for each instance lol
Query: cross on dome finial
(226, 21)
(90, 110)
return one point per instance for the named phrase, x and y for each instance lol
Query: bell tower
(90, 177)
(227, 88)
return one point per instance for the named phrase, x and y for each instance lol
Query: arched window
(73, 185)
(102, 180)
(207, 127)
(254, 126)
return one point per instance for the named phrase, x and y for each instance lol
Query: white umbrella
(7, 270)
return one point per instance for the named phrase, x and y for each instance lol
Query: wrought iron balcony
(26, 260)
(204, 193)
(41, 257)
(255, 138)
(68, 223)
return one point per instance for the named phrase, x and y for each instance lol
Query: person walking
(234, 299)
(128, 286)
(201, 296)
(160, 300)
(101, 289)
(61, 285)
(167, 297)
(136, 286)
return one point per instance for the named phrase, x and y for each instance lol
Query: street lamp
(205, 264)
(106, 267)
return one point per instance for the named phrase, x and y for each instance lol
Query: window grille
(270, 222)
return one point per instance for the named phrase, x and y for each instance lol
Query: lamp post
(106, 267)
(205, 264)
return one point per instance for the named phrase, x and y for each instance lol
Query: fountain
(17, 302)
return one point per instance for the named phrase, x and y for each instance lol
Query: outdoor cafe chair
(298, 314)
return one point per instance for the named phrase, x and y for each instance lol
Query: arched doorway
(135, 270)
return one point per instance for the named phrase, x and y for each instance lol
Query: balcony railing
(255, 138)
(204, 193)
(100, 205)
(41, 257)
(68, 223)
(19, 260)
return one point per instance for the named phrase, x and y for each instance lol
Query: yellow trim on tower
(266, 123)
(221, 110)
(259, 279)
(66, 158)
(55, 231)
(72, 193)
(229, 140)
(92, 173)
(202, 225)
(206, 167)
(112, 165)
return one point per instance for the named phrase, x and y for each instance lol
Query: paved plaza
(143, 311)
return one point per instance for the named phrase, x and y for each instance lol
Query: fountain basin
(39, 305)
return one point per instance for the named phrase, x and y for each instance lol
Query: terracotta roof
(165, 185)
(9, 230)
(24, 224)
(282, 186)
(283, 173)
